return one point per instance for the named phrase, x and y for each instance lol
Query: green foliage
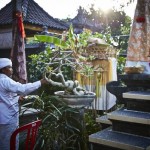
(37, 65)
(50, 39)
(121, 64)
(79, 42)
(63, 128)
(91, 125)
(113, 20)
(125, 28)
(75, 43)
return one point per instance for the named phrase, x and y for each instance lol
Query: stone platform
(119, 140)
(129, 127)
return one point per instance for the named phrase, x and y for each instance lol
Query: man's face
(8, 71)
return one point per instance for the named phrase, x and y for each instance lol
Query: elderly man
(9, 96)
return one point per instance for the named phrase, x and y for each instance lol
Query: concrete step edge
(102, 140)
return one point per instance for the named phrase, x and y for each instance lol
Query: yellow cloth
(105, 73)
(98, 78)
(97, 83)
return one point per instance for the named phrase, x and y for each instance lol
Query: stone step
(130, 116)
(104, 120)
(141, 95)
(129, 121)
(118, 140)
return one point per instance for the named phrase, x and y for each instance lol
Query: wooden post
(18, 55)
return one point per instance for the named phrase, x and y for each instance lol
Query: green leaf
(50, 39)
(44, 38)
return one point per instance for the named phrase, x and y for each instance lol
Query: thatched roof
(33, 15)
(82, 20)
(5, 39)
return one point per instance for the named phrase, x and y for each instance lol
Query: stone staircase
(127, 128)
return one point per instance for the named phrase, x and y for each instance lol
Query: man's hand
(21, 98)
(43, 81)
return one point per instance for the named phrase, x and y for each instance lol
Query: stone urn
(77, 101)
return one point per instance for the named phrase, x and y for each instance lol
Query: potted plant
(73, 94)
(67, 53)
(63, 125)
(61, 116)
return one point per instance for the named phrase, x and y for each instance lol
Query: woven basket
(100, 51)
(130, 70)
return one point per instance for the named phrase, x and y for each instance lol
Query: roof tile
(33, 14)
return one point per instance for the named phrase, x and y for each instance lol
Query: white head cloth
(4, 62)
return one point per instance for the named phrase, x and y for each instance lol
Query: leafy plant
(121, 64)
(37, 65)
(63, 127)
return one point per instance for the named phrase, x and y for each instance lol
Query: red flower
(140, 19)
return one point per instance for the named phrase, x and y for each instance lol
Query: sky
(68, 8)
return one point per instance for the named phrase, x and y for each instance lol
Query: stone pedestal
(130, 125)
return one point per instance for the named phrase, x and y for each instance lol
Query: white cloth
(141, 63)
(9, 91)
(107, 100)
(4, 62)
(9, 109)
(5, 138)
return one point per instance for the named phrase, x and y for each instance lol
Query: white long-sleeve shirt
(9, 91)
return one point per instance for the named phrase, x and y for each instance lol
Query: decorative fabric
(4, 62)
(139, 40)
(97, 83)
(18, 55)
(20, 24)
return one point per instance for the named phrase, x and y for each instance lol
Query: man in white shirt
(9, 97)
